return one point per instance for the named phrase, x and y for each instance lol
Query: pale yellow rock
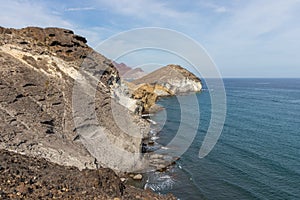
(138, 177)
(123, 179)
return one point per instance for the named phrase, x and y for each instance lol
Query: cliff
(171, 80)
(38, 72)
(166, 81)
(61, 102)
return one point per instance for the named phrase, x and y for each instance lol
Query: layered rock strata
(39, 70)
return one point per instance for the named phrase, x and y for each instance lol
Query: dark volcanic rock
(61, 41)
(38, 70)
(23, 177)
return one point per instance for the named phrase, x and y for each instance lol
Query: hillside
(38, 70)
(65, 105)
(24, 177)
(127, 72)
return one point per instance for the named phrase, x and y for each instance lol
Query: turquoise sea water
(258, 153)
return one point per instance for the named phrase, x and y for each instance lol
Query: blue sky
(253, 38)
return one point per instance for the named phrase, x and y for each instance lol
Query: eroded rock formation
(166, 81)
(39, 68)
(63, 102)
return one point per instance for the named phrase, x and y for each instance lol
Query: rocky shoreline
(40, 69)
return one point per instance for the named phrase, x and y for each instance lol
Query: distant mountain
(121, 67)
(127, 72)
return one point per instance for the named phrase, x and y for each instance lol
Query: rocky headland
(45, 73)
(167, 81)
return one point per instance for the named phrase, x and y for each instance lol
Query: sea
(257, 155)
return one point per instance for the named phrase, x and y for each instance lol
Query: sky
(253, 38)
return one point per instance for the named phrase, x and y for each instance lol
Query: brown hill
(122, 68)
(129, 73)
(39, 70)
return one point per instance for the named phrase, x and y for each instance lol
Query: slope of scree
(23, 177)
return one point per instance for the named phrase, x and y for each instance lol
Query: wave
(266, 162)
(159, 182)
(247, 192)
(257, 155)
(154, 138)
(263, 83)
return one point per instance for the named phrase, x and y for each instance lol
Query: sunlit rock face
(39, 68)
(173, 78)
(166, 81)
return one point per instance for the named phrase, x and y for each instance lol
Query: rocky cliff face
(171, 80)
(45, 73)
(166, 81)
(38, 69)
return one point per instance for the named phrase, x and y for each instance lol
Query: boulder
(138, 177)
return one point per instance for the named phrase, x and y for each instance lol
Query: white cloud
(18, 14)
(263, 16)
(80, 9)
(259, 33)
(236, 33)
(148, 10)
(221, 9)
(214, 7)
